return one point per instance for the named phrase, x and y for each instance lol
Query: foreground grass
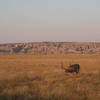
(29, 77)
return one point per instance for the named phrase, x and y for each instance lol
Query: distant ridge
(50, 47)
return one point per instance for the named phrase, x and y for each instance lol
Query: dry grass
(40, 77)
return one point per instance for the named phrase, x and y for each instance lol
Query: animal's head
(69, 70)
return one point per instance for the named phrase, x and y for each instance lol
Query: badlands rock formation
(50, 47)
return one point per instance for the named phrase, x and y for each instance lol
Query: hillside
(50, 47)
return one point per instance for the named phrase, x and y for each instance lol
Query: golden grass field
(40, 77)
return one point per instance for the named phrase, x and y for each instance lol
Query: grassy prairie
(40, 77)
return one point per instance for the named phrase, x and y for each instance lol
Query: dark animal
(74, 68)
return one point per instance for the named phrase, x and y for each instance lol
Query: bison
(74, 68)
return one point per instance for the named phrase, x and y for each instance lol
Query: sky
(49, 20)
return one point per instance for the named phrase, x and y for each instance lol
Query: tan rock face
(51, 47)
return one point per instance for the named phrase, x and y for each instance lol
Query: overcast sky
(49, 20)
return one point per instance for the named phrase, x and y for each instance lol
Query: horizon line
(50, 42)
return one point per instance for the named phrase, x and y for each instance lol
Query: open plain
(40, 77)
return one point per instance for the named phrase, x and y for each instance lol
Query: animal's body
(72, 68)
